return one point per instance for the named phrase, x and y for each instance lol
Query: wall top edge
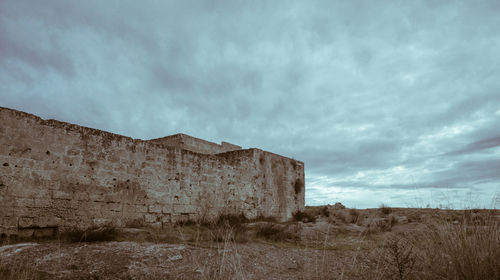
(183, 135)
(113, 136)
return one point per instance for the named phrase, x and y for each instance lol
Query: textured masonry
(56, 176)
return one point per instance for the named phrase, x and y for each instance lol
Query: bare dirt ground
(326, 243)
(132, 260)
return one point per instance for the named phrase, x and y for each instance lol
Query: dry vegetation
(328, 242)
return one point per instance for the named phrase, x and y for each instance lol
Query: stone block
(69, 161)
(73, 152)
(167, 209)
(181, 199)
(25, 202)
(176, 218)
(115, 207)
(81, 196)
(94, 206)
(47, 221)
(25, 222)
(6, 211)
(112, 197)
(156, 225)
(28, 191)
(10, 222)
(25, 211)
(129, 208)
(96, 197)
(149, 218)
(57, 194)
(140, 208)
(155, 208)
(43, 202)
(25, 233)
(167, 218)
(184, 208)
(45, 232)
(54, 184)
(101, 222)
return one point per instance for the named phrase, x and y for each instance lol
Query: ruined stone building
(56, 176)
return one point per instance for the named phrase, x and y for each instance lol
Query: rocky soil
(331, 243)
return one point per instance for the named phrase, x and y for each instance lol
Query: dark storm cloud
(478, 146)
(370, 96)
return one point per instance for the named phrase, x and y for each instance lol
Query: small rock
(175, 258)
(402, 220)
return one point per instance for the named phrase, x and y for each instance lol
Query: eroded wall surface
(56, 176)
(194, 144)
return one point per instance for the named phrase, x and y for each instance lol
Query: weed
(92, 235)
(276, 232)
(224, 264)
(399, 258)
(18, 269)
(354, 213)
(465, 250)
(385, 209)
(304, 216)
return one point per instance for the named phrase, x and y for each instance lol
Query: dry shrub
(236, 224)
(18, 269)
(225, 263)
(92, 235)
(304, 216)
(135, 223)
(261, 218)
(342, 216)
(311, 213)
(355, 216)
(276, 232)
(398, 259)
(378, 225)
(339, 217)
(385, 209)
(466, 250)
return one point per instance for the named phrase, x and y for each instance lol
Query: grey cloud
(27, 50)
(478, 146)
(468, 173)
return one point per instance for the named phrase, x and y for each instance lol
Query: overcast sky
(394, 102)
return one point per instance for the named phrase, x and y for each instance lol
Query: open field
(327, 242)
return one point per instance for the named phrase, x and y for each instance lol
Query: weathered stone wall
(56, 176)
(194, 144)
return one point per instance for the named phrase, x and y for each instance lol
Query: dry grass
(224, 263)
(18, 269)
(469, 249)
(446, 244)
(457, 250)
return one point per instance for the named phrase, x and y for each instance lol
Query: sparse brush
(398, 258)
(92, 235)
(229, 222)
(261, 218)
(463, 250)
(385, 209)
(304, 216)
(18, 269)
(276, 232)
(325, 212)
(225, 263)
(355, 215)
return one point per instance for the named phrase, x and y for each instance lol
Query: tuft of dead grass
(469, 249)
(18, 269)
